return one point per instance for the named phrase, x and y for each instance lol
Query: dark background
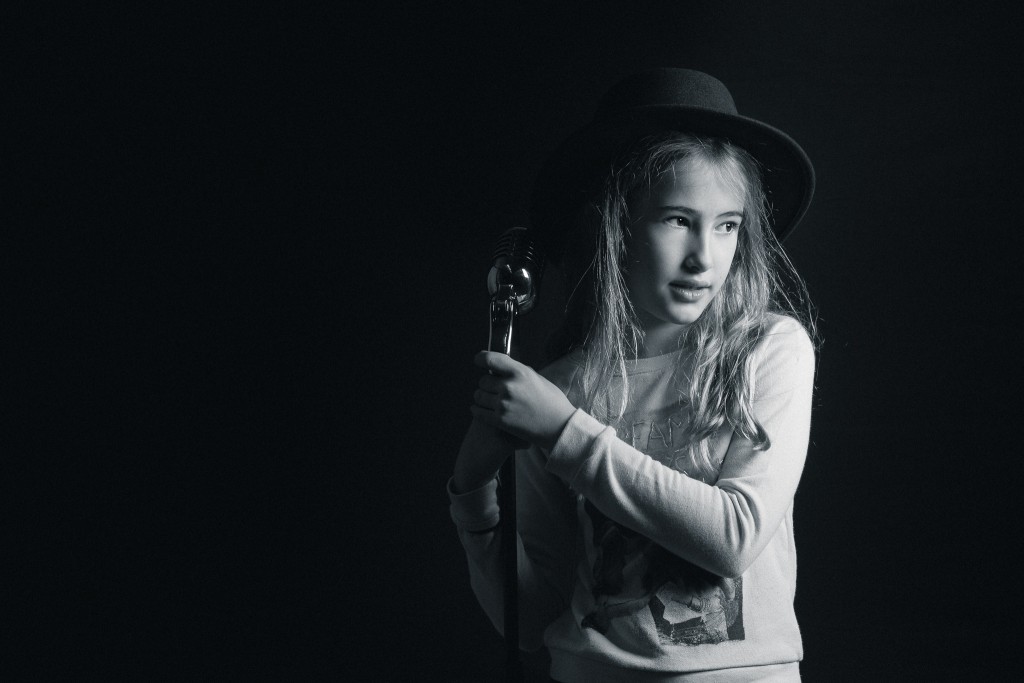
(248, 249)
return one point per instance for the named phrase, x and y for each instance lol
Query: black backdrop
(249, 249)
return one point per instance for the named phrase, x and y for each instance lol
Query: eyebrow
(686, 209)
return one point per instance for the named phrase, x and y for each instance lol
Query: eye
(728, 227)
(679, 221)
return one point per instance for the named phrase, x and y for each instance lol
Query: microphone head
(518, 263)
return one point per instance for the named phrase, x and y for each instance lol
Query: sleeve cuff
(572, 449)
(475, 510)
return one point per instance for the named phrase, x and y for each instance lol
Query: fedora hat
(658, 101)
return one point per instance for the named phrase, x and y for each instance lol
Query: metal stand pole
(503, 313)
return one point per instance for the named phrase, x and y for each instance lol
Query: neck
(660, 338)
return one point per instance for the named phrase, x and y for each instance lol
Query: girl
(664, 446)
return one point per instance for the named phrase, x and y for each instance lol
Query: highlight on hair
(601, 322)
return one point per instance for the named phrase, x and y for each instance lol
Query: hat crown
(655, 102)
(666, 88)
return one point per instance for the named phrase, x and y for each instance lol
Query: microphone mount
(513, 284)
(504, 306)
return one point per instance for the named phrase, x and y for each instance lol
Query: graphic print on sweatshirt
(631, 573)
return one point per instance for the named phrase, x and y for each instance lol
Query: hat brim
(787, 173)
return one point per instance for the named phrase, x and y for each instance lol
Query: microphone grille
(518, 264)
(515, 243)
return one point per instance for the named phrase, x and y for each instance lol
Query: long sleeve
(724, 526)
(546, 537)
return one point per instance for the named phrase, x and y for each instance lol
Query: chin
(685, 317)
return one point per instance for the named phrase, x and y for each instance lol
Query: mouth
(689, 291)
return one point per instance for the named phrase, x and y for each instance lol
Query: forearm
(483, 450)
(544, 546)
(721, 527)
(541, 599)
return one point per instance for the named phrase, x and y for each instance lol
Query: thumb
(495, 362)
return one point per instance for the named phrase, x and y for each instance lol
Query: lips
(689, 290)
(690, 284)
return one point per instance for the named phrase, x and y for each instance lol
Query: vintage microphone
(513, 284)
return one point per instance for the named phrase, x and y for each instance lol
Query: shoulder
(784, 356)
(785, 334)
(563, 371)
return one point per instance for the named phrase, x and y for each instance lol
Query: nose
(697, 254)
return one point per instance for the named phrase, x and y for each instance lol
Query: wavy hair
(600, 319)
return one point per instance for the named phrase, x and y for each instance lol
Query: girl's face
(682, 242)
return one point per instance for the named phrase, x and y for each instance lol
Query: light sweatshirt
(634, 565)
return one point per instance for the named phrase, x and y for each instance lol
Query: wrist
(466, 482)
(558, 426)
(483, 450)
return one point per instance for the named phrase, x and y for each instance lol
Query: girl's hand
(515, 398)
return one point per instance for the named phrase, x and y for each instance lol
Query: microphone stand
(504, 307)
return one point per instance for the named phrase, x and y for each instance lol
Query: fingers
(491, 399)
(491, 384)
(491, 418)
(497, 363)
(486, 416)
(486, 400)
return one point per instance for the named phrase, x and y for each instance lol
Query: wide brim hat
(658, 101)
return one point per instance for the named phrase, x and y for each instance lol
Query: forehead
(697, 180)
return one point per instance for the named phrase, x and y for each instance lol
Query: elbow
(742, 541)
(732, 565)
(728, 563)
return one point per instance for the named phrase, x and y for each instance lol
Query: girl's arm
(545, 532)
(721, 527)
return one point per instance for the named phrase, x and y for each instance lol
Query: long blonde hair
(601, 322)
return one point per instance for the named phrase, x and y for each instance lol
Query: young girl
(665, 444)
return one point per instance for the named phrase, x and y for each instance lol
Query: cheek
(641, 258)
(638, 275)
(726, 256)
(724, 261)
